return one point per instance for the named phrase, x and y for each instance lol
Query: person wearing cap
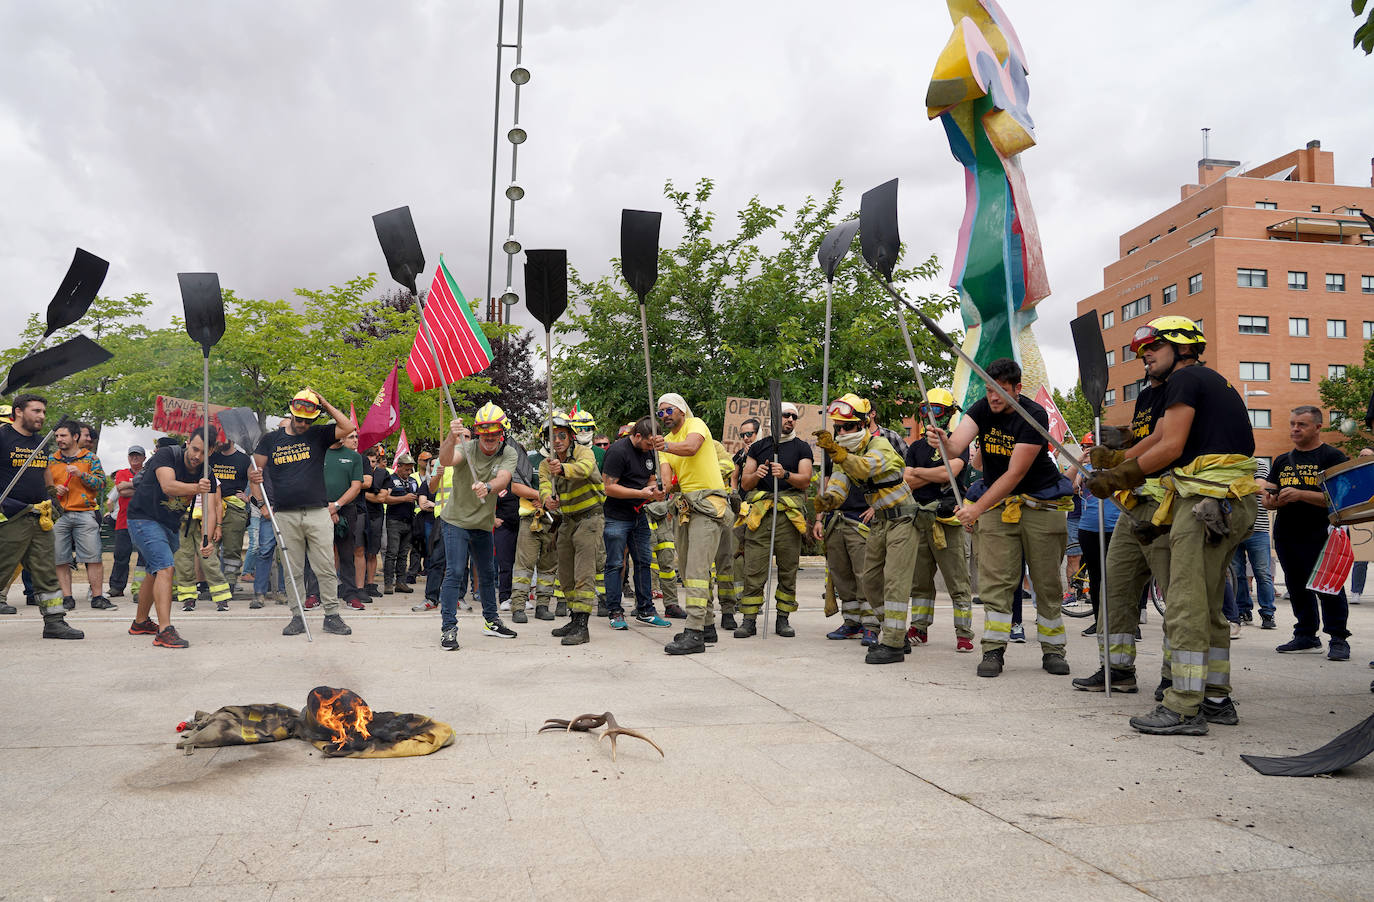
(570, 484)
(230, 466)
(293, 458)
(402, 491)
(867, 459)
(778, 466)
(123, 546)
(688, 457)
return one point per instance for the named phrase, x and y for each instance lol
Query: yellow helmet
(489, 419)
(559, 420)
(6, 413)
(583, 420)
(940, 403)
(305, 405)
(849, 408)
(1179, 330)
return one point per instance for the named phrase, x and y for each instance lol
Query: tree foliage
(1364, 32)
(1075, 409)
(1348, 398)
(731, 311)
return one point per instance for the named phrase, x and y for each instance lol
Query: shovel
(241, 427)
(1092, 377)
(639, 265)
(546, 297)
(1338, 754)
(73, 298)
(775, 427)
(48, 366)
(203, 303)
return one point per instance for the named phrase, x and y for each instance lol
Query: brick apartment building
(1276, 263)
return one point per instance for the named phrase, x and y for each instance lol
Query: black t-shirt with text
(631, 468)
(375, 509)
(231, 470)
(151, 503)
(1221, 425)
(790, 454)
(1149, 409)
(1000, 433)
(398, 486)
(1303, 470)
(296, 463)
(920, 455)
(31, 488)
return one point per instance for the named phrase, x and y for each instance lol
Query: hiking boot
(167, 637)
(1164, 685)
(916, 634)
(688, 642)
(728, 622)
(992, 663)
(389, 589)
(652, 619)
(501, 631)
(601, 610)
(1301, 645)
(143, 628)
(884, 654)
(749, 627)
(101, 603)
(295, 627)
(1164, 722)
(449, 640)
(520, 616)
(189, 606)
(8, 608)
(578, 635)
(847, 630)
(428, 604)
(373, 591)
(1122, 681)
(333, 623)
(1338, 650)
(403, 589)
(870, 637)
(221, 606)
(1222, 712)
(708, 634)
(58, 628)
(963, 646)
(258, 603)
(560, 609)
(674, 611)
(562, 630)
(1017, 634)
(782, 628)
(541, 612)
(1267, 622)
(1055, 663)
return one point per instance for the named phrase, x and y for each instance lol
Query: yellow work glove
(826, 440)
(1102, 483)
(1104, 458)
(827, 503)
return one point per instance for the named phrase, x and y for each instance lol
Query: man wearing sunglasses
(570, 483)
(1206, 444)
(294, 460)
(780, 464)
(870, 462)
(688, 457)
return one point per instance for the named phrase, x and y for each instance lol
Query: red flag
(352, 415)
(1058, 427)
(462, 348)
(402, 447)
(383, 417)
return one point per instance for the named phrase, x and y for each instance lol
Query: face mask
(584, 438)
(850, 441)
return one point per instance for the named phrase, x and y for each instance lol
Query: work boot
(579, 634)
(1055, 663)
(55, 626)
(519, 616)
(688, 642)
(601, 610)
(1165, 722)
(992, 663)
(404, 589)
(1222, 712)
(258, 603)
(1164, 684)
(8, 608)
(333, 623)
(565, 629)
(884, 654)
(1122, 681)
(389, 589)
(782, 627)
(674, 611)
(295, 627)
(708, 635)
(728, 621)
(101, 603)
(560, 609)
(748, 628)
(541, 612)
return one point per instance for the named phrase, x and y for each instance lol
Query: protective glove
(1103, 458)
(827, 503)
(826, 440)
(1102, 483)
(1215, 516)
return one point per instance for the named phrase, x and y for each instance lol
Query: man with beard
(630, 483)
(79, 482)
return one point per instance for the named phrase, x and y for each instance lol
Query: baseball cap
(138, 449)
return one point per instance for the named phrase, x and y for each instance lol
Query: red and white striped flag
(402, 447)
(462, 348)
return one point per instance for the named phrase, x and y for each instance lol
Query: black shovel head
(775, 412)
(639, 249)
(1092, 359)
(546, 285)
(240, 426)
(47, 366)
(1339, 753)
(204, 306)
(878, 235)
(835, 245)
(77, 292)
(401, 245)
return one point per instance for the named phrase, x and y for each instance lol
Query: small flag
(383, 417)
(1333, 567)
(1058, 426)
(461, 346)
(402, 447)
(352, 415)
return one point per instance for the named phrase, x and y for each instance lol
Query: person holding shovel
(570, 485)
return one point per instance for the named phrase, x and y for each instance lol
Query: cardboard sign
(1361, 541)
(182, 417)
(737, 410)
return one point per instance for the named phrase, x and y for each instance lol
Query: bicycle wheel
(1156, 597)
(1078, 603)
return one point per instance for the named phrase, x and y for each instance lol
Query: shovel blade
(835, 245)
(639, 249)
(204, 306)
(775, 412)
(1092, 359)
(77, 291)
(878, 235)
(46, 367)
(546, 285)
(240, 426)
(401, 245)
(1339, 753)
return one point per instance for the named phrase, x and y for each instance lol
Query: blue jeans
(1357, 575)
(267, 550)
(459, 543)
(1256, 547)
(635, 533)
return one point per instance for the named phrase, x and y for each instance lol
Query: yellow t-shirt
(700, 471)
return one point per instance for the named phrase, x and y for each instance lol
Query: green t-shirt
(341, 467)
(463, 509)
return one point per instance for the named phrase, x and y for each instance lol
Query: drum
(1349, 488)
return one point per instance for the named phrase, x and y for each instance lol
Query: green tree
(1076, 410)
(1348, 399)
(727, 315)
(1364, 32)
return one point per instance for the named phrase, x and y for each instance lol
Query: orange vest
(78, 497)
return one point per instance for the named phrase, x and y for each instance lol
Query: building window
(1316, 208)
(1335, 371)
(1108, 319)
(1297, 326)
(1354, 211)
(1335, 328)
(1154, 239)
(1204, 212)
(1127, 353)
(1111, 355)
(1367, 284)
(1335, 281)
(1299, 372)
(1266, 205)
(1133, 390)
(1135, 308)
(1195, 283)
(1109, 398)
(1254, 371)
(1252, 278)
(1254, 325)
(1132, 250)
(1367, 330)
(1260, 419)
(1297, 280)
(1170, 293)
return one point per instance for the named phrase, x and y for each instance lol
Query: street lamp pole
(519, 75)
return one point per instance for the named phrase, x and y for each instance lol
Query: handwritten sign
(179, 416)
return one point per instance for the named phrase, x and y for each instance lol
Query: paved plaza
(792, 770)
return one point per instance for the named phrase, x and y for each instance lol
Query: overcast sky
(256, 139)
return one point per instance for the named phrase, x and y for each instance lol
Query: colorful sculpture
(979, 91)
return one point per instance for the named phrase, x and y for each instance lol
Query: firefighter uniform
(536, 549)
(794, 456)
(184, 563)
(723, 568)
(846, 538)
(580, 494)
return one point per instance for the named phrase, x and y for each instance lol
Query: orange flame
(349, 721)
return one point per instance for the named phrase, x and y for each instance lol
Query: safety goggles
(1144, 337)
(938, 411)
(665, 412)
(305, 410)
(844, 409)
(489, 428)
